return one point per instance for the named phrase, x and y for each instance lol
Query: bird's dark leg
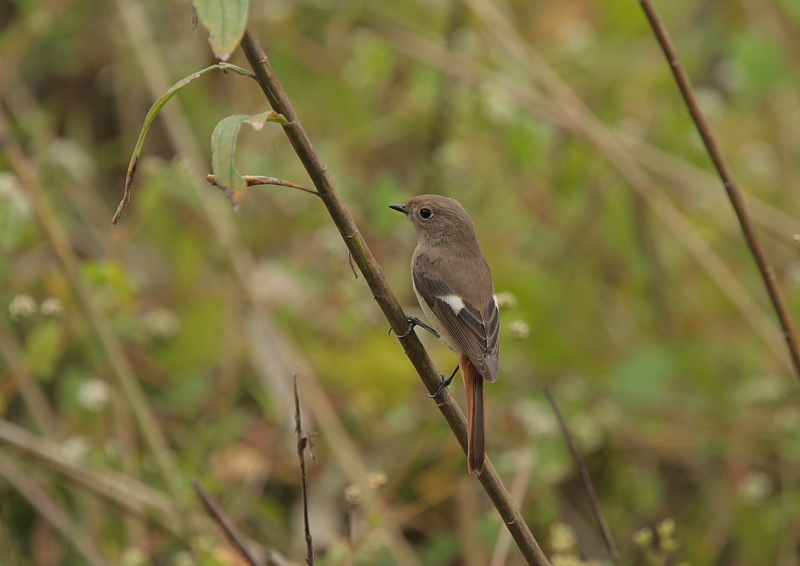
(444, 384)
(414, 321)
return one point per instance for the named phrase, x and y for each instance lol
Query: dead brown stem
(728, 182)
(253, 180)
(228, 528)
(303, 440)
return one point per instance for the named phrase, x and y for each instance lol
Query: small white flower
(111, 447)
(94, 394)
(576, 36)
(133, 556)
(755, 487)
(12, 197)
(710, 100)
(377, 480)
(52, 307)
(352, 494)
(643, 537)
(183, 558)
(75, 448)
(203, 544)
(562, 538)
(519, 329)
(666, 528)
(793, 269)
(498, 105)
(760, 158)
(587, 431)
(536, 417)
(22, 306)
(506, 300)
(762, 389)
(68, 155)
(161, 323)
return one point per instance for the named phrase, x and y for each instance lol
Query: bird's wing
(474, 328)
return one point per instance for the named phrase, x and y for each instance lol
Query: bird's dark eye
(425, 213)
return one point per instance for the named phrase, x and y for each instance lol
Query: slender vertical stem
(302, 443)
(726, 176)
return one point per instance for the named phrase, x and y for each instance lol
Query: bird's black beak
(399, 208)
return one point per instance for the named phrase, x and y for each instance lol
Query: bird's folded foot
(414, 321)
(443, 384)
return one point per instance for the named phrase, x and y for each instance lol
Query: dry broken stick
(587, 482)
(253, 180)
(227, 526)
(304, 441)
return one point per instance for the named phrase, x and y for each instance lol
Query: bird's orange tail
(476, 427)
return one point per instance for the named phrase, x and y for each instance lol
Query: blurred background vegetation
(626, 284)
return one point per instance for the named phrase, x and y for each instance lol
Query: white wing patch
(495, 302)
(454, 302)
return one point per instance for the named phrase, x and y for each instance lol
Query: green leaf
(151, 115)
(223, 146)
(44, 347)
(225, 21)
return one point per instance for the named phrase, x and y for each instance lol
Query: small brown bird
(454, 287)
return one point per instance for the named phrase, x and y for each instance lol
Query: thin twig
(303, 440)
(587, 482)
(227, 526)
(253, 180)
(381, 291)
(726, 176)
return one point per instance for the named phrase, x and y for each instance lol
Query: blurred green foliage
(683, 406)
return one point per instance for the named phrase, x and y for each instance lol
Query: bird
(453, 284)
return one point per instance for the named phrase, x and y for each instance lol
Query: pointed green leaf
(225, 21)
(223, 146)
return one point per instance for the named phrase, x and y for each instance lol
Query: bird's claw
(443, 385)
(414, 321)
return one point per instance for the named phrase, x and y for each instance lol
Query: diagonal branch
(373, 274)
(726, 176)
(231, 532)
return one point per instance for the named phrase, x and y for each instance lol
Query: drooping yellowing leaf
(225, 21)
(151, 115)
(223, 146)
